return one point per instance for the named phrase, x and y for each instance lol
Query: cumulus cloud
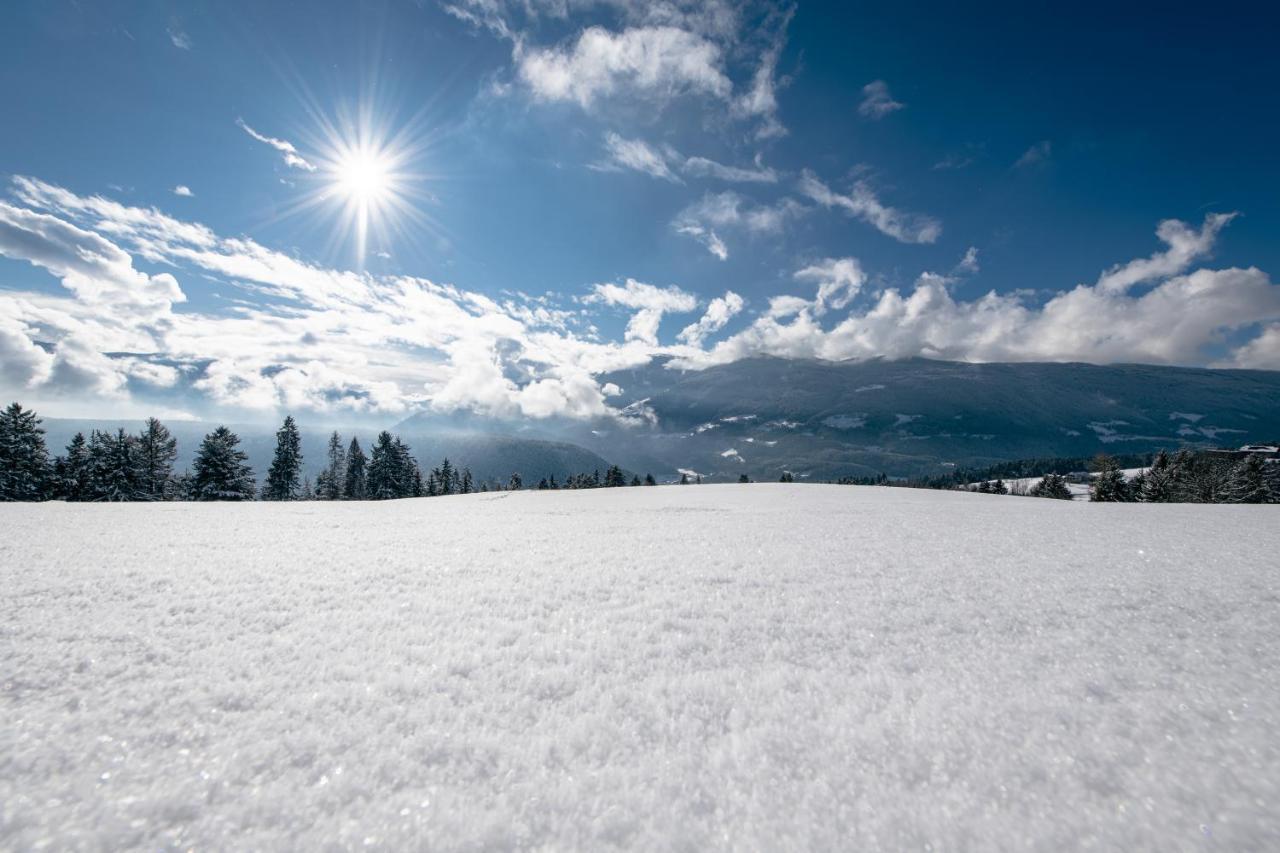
(839, 280)
(650, 303)
(877, 102)
(183, 190)
(1185, 245)
(300, 336)
(291, 156)
(659, 62)
(1179, 320)
(719, 312)
(862, 203)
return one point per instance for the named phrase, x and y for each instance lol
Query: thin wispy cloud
(877, 102)
(1036, 156)
(290, 154)
(862, 203)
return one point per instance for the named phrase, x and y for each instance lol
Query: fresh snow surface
(744, 667)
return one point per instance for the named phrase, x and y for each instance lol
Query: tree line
(122, 466)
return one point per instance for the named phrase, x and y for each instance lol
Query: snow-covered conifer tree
(286, 466)
(353, 488)
(221, 470)
(157, 449)
(25, 472)
(1108, 484)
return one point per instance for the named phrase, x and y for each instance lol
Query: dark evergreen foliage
(221, 472)
(353, 488)
(1051, 486)
(286, 466)
(25, 471)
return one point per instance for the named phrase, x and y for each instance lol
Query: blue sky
(565, 187)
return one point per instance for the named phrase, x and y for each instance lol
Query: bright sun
(364, 177)
(367, 178)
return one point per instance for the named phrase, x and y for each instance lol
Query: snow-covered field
(680, 668)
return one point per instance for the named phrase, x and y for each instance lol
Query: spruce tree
(515, 484)
(743, 478)
(307, 494)
(1108, 484)
(649, 481)
(115, 470)
(684, 479)
(1249, 483)
(1157, 485)
(384, 469)
(999, 488)
(445, 478)
(286, 466)
(635, 479)
(1051, 486)
(353, 488)
(221, 470)
(157, 449)
(25, 471)
(74, 484)
(468, 485)
(333, 477)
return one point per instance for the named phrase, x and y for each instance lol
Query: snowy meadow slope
(751, 667)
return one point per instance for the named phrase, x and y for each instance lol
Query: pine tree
(649, 481)
(416, 489)
(468, 485)
(433, 483)
(1249, 483)
(684, 479)
(308, 494)
(999, 488)
(1108, 484)
(353, 488)
(286, 466)
(515, 484)
(614, 477)
(157, 449)
(635, 479)
(1051, 486)
(743, 478)
(25, 471)
(333, 477)
(221, 469)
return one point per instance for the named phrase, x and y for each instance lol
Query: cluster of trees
(613, 478)
(120, 466)
(1189, 477)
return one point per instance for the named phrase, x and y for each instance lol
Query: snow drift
(763, 666)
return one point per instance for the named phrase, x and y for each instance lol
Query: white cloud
(291, 156)
(178, 36)
(1035, 156)
(730, 210)
(1261, 353)
(650, 303)
(862, 203)
(702, 167)
(969, 263)
(1185, 246)
(637, 155)
(1178, 321)
(656, 62)
(839, 281)
(877, 102)
(719, 312)
(183, 190)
